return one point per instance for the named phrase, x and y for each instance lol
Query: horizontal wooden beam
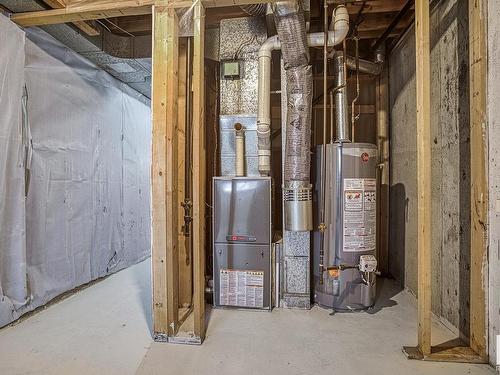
(377, 6)
(84, 26)
(217, 3)
(103, 9)
(98, 9)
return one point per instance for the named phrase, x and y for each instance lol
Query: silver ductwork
(340, 91)
(255, 9)
(339, 28)
(293, 40)
(374, 67)
(291, 28)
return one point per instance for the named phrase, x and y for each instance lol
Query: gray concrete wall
(493, 136)
(450, 162)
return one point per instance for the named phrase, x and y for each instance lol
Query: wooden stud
(382, 104)
(172, 160)
(479, 183)
(164, 170)
(199, 179)
(456, 351)
(185, 261)
(424, 165)
(87, 28)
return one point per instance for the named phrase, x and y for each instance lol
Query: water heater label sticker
(360, 202)
(243, 288)
(353, 200)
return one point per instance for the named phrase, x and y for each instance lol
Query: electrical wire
(120, 28)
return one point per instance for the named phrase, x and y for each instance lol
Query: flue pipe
(341, 105)
(369, 67)
(239, 134)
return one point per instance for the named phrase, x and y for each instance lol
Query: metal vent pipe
(341, 105)
(369, 67)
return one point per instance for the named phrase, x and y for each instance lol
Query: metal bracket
(187, 205)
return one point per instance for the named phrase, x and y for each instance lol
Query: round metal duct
(255, 9)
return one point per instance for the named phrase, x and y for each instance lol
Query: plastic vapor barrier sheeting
(81, 156)
(13, 282)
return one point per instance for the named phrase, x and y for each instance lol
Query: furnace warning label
(243, 288)
(360, 220)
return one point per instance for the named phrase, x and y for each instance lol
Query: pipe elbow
(272, 43)
(340, 25)
(340, 15)
(339, 29)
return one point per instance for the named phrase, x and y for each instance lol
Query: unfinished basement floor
(105, 329)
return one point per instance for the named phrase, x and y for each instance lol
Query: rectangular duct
(240, 40)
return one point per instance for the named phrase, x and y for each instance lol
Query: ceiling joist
(85, 10)
(86, 26)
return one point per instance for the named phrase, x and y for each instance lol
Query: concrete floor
(104, 329)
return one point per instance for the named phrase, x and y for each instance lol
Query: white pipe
(239, 133)
(340, 28)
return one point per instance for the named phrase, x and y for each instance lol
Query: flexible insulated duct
(254, 9)
(339, 28)
(291, 28)
(297, 190)
(294, 42)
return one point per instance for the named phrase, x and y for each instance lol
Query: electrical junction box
(231, 69)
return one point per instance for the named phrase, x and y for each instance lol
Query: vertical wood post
(476, 352)
(423, 81)
(479, 183)
(185, 261)
(383, 157)
(164, 171)
(199, 178)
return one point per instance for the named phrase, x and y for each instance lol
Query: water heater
(347, 279)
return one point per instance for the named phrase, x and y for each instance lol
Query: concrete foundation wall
(450, 163)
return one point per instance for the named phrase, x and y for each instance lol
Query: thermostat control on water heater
(367, 263)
